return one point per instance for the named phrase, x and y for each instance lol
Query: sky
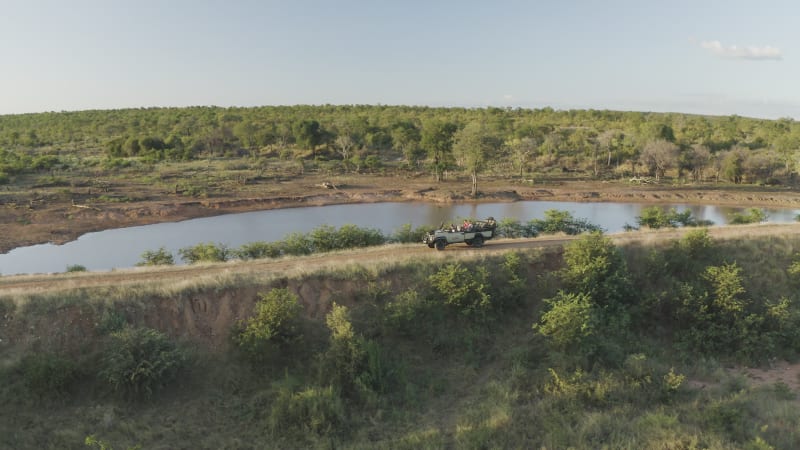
(700, 57)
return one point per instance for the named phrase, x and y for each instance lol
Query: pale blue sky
(710, 57)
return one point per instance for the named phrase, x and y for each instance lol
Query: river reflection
(122, 247)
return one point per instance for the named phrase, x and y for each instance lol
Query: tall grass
(421, 373)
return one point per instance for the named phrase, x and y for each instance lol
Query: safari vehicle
(470, 233)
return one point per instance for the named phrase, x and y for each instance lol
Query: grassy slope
(458, 383)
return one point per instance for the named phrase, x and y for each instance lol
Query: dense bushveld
(264, 141)
(596, 346)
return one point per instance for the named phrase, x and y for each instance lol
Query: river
(122, 247)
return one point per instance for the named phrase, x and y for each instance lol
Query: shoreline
(61, 223)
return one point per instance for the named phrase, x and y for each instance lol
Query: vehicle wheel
(430, 245)
(440, 244)
(477, 241)
(468, 242)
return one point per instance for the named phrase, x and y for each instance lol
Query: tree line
(468, 141)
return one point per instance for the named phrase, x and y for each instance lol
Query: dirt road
(10, 285)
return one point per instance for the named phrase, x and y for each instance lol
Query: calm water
(122, 247)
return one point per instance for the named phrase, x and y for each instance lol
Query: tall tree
(659, 155)
(471, 147)
(437, 140)
(308, 134)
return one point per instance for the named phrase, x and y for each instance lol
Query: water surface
(123, 247)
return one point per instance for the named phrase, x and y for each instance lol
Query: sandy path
(10, 285)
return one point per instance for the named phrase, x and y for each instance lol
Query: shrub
(656, 217)
(76, 268)
(207, 252)
(327, 238)
(467, 291)
(752, 215)
(48, 374)
(315, 410)
(259, 250)
(511, 228)
(343, 362)
(405, 234)
(139, 361)
(275, 322)
(4, 179)
(569, 322)
(160, 257)
(557, 221)
(110, 322)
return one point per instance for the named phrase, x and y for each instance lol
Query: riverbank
(47, 217)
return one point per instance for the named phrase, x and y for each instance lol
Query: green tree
(437, 141)
(308, 135)
(406, 138)
(472, 145)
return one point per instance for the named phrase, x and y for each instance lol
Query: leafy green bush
(513, 228)
(327, 238)
(48, 374)
(344, 360)
(557, 221)
(139, 361)
(752, 215)
(4, 178)
(76, 268)
(206, 252)
(110, 322)
(275, 322)
(570, 322)
(160, 257)
(656, 217)
(259, 250)
(405, 234)
(317, 411)
(464, 289)
(412, 314)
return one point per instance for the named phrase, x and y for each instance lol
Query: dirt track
(166, 275)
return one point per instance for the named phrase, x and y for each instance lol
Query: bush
(556, 221)
(275, 322)
(405, 234)
(259, 250)
(208, 252)
(467, 291)
(752, 215)
(569, 322)
(48, 374)
(656, 217)
(326, 238)
(160, 257)
(139, 361)
(76, 268)
(315, 410)
(4, 179)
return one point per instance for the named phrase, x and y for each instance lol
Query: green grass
(451, 380)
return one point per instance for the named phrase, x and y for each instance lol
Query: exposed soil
(50, 217)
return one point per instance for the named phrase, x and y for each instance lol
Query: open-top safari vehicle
(471, 233)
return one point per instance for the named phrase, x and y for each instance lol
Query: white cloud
(747, 52)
